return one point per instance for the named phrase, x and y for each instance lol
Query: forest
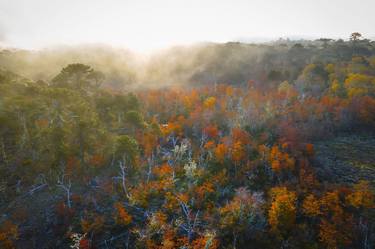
(214, 145)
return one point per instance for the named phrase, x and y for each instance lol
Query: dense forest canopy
(207, 146)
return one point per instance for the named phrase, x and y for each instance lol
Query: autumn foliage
(232, 165)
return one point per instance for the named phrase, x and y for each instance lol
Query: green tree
(78, 76)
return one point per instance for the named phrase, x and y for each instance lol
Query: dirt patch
(346, 159)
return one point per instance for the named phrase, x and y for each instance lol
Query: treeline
(230, 63)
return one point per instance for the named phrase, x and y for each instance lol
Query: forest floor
(346, 159)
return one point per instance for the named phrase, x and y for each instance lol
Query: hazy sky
(150, 24)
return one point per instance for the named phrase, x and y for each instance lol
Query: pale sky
(151, 24)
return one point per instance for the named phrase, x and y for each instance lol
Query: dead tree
(66, 186)
(122, 177)
(191, 220)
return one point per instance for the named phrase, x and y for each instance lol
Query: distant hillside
(209, 63)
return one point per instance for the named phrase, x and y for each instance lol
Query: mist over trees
(230, 63)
